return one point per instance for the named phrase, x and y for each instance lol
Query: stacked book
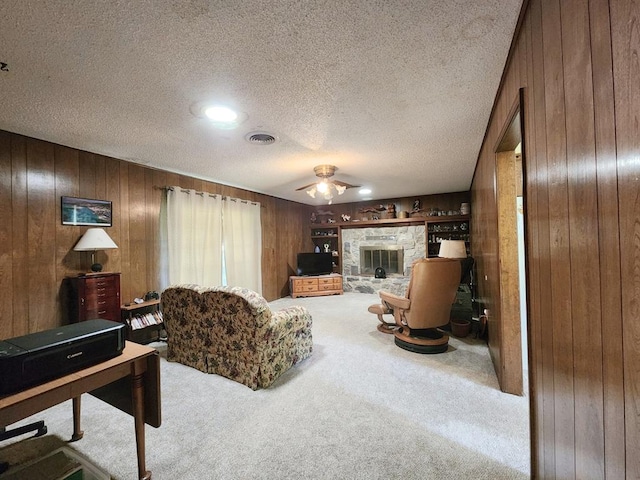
(143, 320)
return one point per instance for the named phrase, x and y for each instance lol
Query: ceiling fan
(325, 186)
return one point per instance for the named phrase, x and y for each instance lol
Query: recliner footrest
(379, 309)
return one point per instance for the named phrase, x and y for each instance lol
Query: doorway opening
(511, 208)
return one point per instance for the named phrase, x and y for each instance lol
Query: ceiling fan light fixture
(326, 187)
(323, 186)
(329, 196)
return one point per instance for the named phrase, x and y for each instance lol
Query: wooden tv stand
(316, 285)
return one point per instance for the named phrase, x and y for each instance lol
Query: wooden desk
(130, 382)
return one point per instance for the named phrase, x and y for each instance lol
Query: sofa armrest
(296, 316)
(287, 320)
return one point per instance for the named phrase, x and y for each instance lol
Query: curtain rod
(213, 195)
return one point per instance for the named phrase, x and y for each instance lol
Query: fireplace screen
(389, 257)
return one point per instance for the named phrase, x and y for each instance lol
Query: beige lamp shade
(453, 249)
(92, 240)
(95, 239)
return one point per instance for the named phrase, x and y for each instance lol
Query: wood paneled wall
(577, 61)
(36, 249)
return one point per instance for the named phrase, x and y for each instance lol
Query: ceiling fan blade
(305, 187)
(347, 185)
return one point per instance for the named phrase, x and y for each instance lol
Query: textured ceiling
(396, 94)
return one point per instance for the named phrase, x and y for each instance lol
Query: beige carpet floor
(359, 408)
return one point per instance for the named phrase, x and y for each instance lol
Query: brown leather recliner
(427, 305)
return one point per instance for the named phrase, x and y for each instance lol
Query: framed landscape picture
(85, 211)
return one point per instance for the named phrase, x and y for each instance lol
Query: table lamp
(92, 240)
(453, 249)
(458, 249)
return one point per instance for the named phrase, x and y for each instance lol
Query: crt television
(315, 263)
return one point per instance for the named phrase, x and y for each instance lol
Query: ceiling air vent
(260, 138)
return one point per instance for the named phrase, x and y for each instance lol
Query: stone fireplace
(393, 248)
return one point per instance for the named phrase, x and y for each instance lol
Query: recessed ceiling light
(220, 114)
(364, 191)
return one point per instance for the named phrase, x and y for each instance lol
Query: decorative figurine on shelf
(327, 247)
(324, 212)
(317, 249)
(391, 211)
(314, 217)
(331, 220)
(374, 211)
(345, 218)
(416, 205)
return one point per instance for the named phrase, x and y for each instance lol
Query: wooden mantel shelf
(392, 221)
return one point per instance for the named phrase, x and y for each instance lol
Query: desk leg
(77, 433)
(137, 392)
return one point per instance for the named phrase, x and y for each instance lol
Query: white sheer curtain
(242, 239)
(194, 237)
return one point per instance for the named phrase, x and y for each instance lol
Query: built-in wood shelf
(393, 221)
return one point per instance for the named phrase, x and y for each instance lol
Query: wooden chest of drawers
(94, 296)
(314, 286)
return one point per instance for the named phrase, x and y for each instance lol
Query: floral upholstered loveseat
(231, 331)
